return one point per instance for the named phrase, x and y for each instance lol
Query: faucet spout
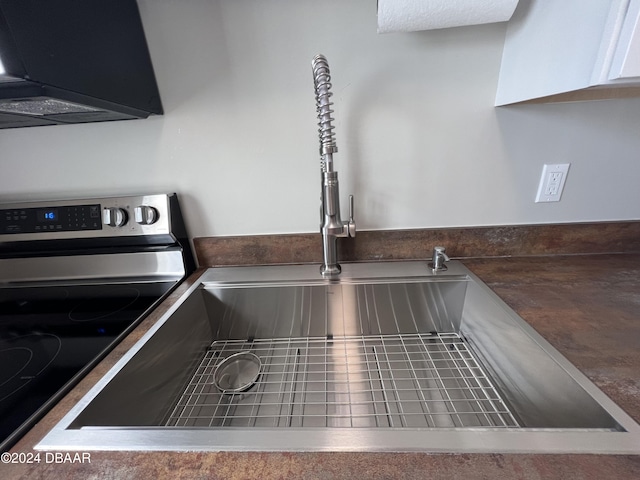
(331, 225)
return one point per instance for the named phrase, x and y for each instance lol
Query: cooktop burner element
(23, 359)
(76, 276)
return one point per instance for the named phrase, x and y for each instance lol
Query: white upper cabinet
(570, 50)
(626, 60)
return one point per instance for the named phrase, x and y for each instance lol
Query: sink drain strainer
(237, 372)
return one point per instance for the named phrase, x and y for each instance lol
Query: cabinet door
(571, 50)
(626, 59)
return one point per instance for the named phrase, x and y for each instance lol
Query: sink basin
(388, 357)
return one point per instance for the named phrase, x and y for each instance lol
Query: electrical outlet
(552, 182)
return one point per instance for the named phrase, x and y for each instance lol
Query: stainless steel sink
(389, 357)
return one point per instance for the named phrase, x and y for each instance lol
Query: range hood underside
(74, 61)
(30, 105)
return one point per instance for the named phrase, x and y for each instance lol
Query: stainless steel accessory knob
(145, 215)
(438, 259)
(114, 216)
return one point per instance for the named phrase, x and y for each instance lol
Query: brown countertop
(587, 306)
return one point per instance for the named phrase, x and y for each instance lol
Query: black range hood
(74, 61)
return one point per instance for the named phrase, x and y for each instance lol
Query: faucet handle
(352, 223)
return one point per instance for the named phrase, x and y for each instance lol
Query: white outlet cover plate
(552, 182)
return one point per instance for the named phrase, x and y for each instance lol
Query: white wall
(421, 144)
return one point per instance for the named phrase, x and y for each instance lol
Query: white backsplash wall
(420, 143)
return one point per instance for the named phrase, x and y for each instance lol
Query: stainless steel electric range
(75, 277)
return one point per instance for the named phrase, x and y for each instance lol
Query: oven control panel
(50, 219)
(87, 218)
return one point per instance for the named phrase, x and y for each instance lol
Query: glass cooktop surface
(51, 335)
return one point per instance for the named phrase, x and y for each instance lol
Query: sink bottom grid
(409, 380)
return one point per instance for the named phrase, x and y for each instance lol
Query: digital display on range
(63, 218)
(48, 215)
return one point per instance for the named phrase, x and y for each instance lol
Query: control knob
(145, 215)
(114, 216)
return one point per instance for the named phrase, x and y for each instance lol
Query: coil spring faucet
(331, 226)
